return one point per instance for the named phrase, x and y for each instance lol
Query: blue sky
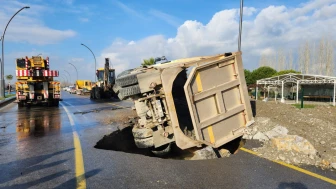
(128, 31)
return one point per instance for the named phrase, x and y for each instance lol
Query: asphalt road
(39, 148)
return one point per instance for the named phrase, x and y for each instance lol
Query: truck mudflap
(218, 100)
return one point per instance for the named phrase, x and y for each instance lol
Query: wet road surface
(38, 150)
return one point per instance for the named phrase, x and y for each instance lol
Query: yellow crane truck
(83, 87)
(35, 82)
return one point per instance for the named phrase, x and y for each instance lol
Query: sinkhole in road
(122, 140)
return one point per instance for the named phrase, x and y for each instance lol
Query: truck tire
(128, 91)
(116, 88)
(126, 72)
(92, 93)
(162, 150)
(97, 93)
(20, 104)
(56, 103)
(144, 142)
(127, 80)
(142, 133)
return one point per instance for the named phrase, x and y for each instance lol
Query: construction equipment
(106, 80)
(209, 106)
(35, 82)
(83, 87)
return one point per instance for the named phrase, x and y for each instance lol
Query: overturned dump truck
(191, 102)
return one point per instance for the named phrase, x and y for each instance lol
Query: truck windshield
(101, 76)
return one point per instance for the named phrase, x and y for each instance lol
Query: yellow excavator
(102, 89)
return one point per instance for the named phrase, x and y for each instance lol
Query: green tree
(282, 72)
(262, 72)
(9, 78)
(148, 62)
(248, 76)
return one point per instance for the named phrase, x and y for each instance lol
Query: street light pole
(94, 59)
(69, 75)
(2, 77)
(66, 78)
(75, 69)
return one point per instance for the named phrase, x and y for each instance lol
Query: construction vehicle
(102, 89)
(209, 106)
(35, 82)
(83, 87)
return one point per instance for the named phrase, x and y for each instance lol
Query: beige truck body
(213, 97)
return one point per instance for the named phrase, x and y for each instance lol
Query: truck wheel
(97, 94)
(20, 104)
(127, 80)
(162, 150)
(116, 88)
(128, 91)
(56, 103)
(126, 72)
(144, 142)
(142, 132)
(92, 93)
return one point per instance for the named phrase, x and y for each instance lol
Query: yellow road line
(79, 162)
(326, 179)
(200, 89)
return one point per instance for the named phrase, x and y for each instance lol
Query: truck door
(218, 100)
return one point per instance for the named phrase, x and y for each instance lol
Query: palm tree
(148, 62)
(9, 78)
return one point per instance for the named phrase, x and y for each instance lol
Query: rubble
(204, 153)
(333, 165)
(293, 142)
(288, 135)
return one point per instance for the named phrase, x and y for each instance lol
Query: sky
(128, 31)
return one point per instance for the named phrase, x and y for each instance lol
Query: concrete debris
(204, 153)
(293, 142)
(224, 153)
(260, 136)
(333, 165)
(281, 130)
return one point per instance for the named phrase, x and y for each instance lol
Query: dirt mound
(288, 133)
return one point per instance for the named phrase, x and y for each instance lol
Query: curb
(7, 101)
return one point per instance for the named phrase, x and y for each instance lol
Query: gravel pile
(294, 136)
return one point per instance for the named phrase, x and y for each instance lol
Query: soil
(317, 125)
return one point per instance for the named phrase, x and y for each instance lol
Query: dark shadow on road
(39, 181)
(123, 141)
(16, 168)
(72, 183)
(292, 185)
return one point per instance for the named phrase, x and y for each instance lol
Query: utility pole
(94, 59)
(2, 75)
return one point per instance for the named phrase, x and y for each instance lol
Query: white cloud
(27, 26)
(129, 10)
(265, 31)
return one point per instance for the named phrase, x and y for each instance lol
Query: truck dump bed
(218, 100)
